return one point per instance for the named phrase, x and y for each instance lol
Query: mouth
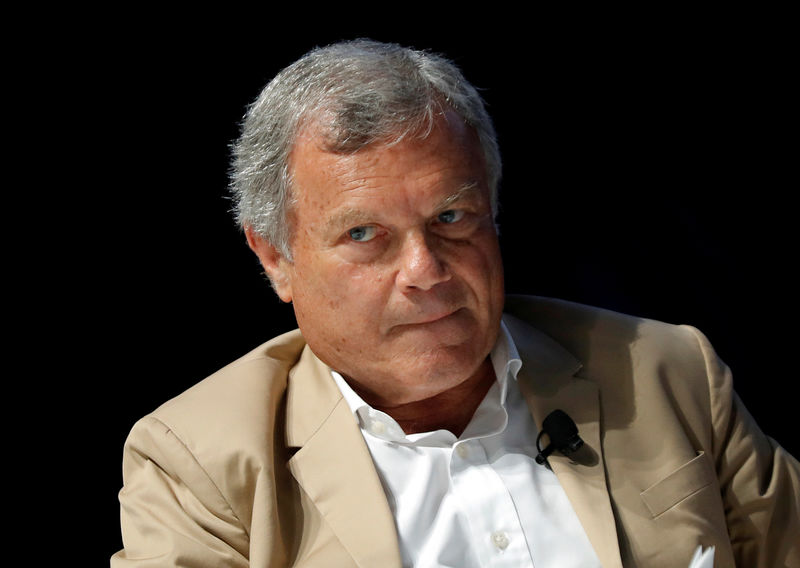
(432, 317)
(443, 327)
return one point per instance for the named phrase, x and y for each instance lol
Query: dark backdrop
(646, 170)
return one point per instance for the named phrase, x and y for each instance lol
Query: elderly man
(401, 424)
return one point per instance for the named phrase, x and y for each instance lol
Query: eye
(450, 216)
(362, 234)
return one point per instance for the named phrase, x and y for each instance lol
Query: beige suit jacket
(263, 464)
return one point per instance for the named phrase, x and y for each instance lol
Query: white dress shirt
(481, 499)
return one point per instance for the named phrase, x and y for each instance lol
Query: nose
(421, 267)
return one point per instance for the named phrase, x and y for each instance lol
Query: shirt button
(500, 540)
(462, 450)
(377, 427)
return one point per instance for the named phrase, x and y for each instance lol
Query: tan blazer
(263, 464)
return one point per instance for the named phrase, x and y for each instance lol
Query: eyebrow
(469, 190)
(346, 218)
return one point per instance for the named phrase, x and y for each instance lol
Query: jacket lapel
(547, 381)
(334, 467)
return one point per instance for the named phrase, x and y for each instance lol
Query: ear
(276, 266)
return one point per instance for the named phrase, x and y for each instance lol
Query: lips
(431, 317)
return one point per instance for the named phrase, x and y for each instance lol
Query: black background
(648, 169)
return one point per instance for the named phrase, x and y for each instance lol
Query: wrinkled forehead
(447, 162)
(446, 133)
(347, 131)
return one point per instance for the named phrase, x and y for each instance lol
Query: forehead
(446, 160)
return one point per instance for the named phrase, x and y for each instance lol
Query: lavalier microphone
(563, 434)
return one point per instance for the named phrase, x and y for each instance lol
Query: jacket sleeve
(759, 480)
(172, 513)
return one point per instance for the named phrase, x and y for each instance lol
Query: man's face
(396, 277)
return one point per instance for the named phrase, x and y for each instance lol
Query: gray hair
(355, 93)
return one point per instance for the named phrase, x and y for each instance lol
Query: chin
(450, 364)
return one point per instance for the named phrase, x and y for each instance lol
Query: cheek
(340, 312)
(339, 290)
(479, 264)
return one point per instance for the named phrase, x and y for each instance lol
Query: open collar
(334, 467)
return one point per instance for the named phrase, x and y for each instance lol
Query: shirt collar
(506, 363)
(505, 360)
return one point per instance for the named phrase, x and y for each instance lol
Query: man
(400, 425)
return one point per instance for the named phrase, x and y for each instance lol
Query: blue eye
(362, 234)
(450, 216)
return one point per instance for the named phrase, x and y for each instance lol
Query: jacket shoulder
(233, 416)
(236, 399)
(634, 361)
(588, 331)
(200, 472)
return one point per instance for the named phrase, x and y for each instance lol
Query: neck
(450, 410)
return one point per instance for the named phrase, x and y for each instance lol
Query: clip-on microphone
(563, 435)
